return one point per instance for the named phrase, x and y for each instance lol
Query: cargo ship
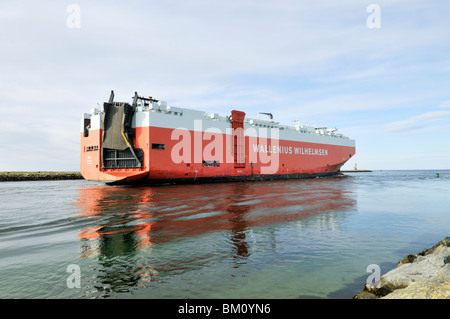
(148, 141)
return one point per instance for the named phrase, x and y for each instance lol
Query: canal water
(289, 239)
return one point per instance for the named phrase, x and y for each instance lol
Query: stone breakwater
(37, 176)
(425, 275)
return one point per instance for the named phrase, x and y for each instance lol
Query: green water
(282, 239)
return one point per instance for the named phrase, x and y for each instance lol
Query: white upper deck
(159, 114)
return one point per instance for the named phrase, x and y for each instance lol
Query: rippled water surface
(277, 239)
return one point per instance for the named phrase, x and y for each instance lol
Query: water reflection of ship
(124, 220)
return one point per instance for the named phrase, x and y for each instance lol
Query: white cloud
(444, 104)
(434, 120)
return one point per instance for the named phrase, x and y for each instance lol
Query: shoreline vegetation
(38, 176)
(425, 275)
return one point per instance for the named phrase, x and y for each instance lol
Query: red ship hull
(186, 146)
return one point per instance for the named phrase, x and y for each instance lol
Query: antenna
(269, 114)
(111, 97)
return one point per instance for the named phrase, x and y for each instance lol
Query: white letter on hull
(214, 150)
(183, 146)
(198, 145)
(274, 158)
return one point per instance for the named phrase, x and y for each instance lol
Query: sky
(379, 71)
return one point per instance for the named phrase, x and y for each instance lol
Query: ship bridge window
(87, 126)
(158, 146)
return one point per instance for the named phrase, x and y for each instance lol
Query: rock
(439, 246)
(38, 176)
(422, 290)
(423, 269)
(423, 275)
(406, 260)
(365, 295)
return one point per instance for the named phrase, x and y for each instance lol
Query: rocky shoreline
(37, 176)
(425, 275)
